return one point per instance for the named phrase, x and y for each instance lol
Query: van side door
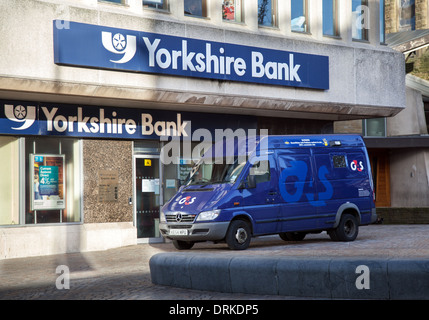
(297, 190)
(261, 195)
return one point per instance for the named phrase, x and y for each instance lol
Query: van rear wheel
(347, 229)
(238, 235)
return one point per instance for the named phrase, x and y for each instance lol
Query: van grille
(180, 217)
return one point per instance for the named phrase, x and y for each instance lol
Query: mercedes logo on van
(178, 217)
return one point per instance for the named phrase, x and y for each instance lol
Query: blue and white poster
(48, 187)
(48, 180)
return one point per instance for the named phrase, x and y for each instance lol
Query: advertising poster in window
(48, 188)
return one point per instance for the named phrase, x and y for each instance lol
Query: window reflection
(232, 10)
(267, 13)
(330, 18)
(196, 8)
(299, 15)
(156, 4)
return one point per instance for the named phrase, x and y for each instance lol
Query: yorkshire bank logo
(120, 45)
(20, 114)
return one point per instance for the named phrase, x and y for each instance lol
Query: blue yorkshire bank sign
(47, 119)
(96, 46)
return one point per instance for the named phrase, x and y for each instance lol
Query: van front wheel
(347, 229)
(183, 245)
(238, 235)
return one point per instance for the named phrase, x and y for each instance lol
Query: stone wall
(421, 14)
(116, 157)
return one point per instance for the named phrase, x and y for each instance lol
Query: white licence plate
(178, 232)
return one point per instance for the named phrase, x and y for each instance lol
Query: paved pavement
(123, 273)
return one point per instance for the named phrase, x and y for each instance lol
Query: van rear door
(346, 178)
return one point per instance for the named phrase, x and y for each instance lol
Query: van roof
(311, 141)
(247, 145)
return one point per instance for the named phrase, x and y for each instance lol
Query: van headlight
(162, 217)
(208, 215)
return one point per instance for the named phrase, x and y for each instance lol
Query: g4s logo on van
(354, 165)
(187, 200)
(297, 171)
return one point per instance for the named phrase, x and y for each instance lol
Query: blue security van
(286, 185)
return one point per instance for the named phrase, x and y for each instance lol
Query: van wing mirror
(248, 183)
(251, 181)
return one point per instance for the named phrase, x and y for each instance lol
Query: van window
(221, 170)
(339, 161)
(261, 171)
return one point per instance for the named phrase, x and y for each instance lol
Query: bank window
(9, 182)
(197, 8)
(360, 19)
(232, 10)
(52, 175)
(156, 4)
(330, 18)
(374, 127)
(299, 16)
(267, 13)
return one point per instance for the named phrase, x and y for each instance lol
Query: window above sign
(156, 4)
(330, 18)
(232, 10)
(195, 8)
(299, 16)
(114, 1)
(267, 13)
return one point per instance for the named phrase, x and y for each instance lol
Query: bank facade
(92, 92)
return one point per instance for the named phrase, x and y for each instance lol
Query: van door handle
(272, 193)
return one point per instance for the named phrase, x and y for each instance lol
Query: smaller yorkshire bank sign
(47, 119)
(101, 47)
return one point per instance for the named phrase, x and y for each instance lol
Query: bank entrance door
(148, 197)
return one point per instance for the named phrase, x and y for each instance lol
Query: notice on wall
(48, 187)
(108, 183)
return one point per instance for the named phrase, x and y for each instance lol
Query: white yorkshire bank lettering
(99, 124)
(111, 125)
(209, 62)
(164, 128)
(274, 70)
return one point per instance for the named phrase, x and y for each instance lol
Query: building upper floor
(257, 57)
(335, 21)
